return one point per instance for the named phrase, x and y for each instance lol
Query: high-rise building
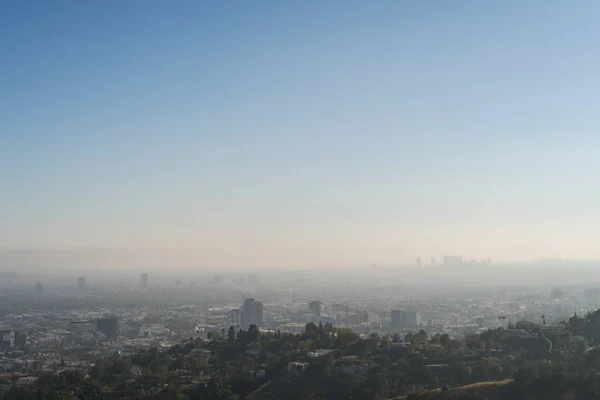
(358, 317)
(453, 260)
(81, 284)
(340, 308)
(39, 288)
(81, 326)
(7, 338)
(412, 319)
(405, 319)
(252, 313)
(144, 281)
(316, 306)
(432, 261)
(419, 263)
(109, 326)
(236, 317)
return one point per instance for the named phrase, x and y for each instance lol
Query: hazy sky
(302, 133)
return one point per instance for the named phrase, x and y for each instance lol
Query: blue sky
(302, 132)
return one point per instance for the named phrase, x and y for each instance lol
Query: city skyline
(68, 261)
(305, 200)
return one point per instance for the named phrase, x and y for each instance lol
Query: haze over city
(299, 200)
(298, 135)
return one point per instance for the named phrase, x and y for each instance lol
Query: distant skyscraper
(452, 260)
(39, 288)
(253, 313)
(432, 261)
(412, 319)
(316, 306)
(419, 263)
(7, 339)
(81, 284)
(144, 281)
(236, 317)
(405, 319)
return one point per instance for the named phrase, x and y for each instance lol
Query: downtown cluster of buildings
(455, 260)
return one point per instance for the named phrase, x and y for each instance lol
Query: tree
(358, 348)
(311, 330)
(179, 363)
(214, 389)
(545, 344)
(434, 382)
(345, 336)
(579, 345)
(472, 341)
(454, 344)
(121, 366)
(384, 345)
(97, 372)
(435, 339)
(577, 325)
(231, 334)
(445, 340)
(420, 338)
(592, 326)
(525, 325)
(253, 334)
(526, 374)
